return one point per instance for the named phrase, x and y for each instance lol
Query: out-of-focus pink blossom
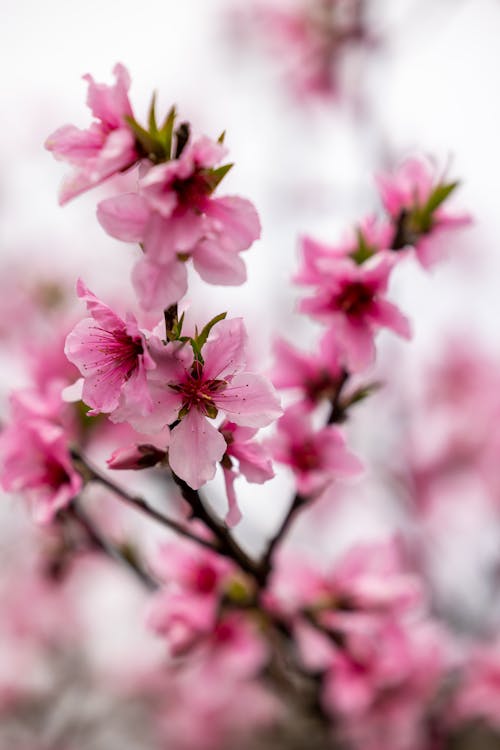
(350, 299)
(253, 463)
(316, 457)
(414, 196)
(186, 609)
(36, 462)
(315, 375)
(106, 147)
(382, 682)
(183, 388)
(175, 217)
(112, 356)
(311, 40)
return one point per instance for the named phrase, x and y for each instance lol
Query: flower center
(354, 299)
(305, 457)
(192, 191)
(198, 393)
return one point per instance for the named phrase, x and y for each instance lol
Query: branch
(227, 544)
(101, 543)
(90, 473)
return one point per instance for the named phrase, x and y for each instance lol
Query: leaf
(147, 142)
(214, 176)
(153, 127)
(363, 251)
(201, 338)
(166, 131)
(222, 137)
(438, 196)
(361, 393)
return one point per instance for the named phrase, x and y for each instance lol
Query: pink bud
(136, 457)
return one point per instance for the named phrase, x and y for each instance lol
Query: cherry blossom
(36, 462)
(106, 147)
(175, 217)
(112, 356)
(316, 457)
(414, 195)
(350, 299)
(188, 391)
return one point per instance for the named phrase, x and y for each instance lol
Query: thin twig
(227, 544)
(92, 474)
(100, 542)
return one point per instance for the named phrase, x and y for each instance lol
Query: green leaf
(438, 196)
(166, 132)
(196, 350)
(201, 338)
(222, 137)
(153, 127)
(214, 176)
(363, 251)
(148, 144)
(361, 393)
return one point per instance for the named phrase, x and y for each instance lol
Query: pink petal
(249, 400)
(101, 312)
(159, 286)
(196, 446)
(383, 313)
(254, 462)
(166, 237)
(224, 352)
(217, 265)
(233, 516)
(110, 103)
(124, 217)
(236, 220)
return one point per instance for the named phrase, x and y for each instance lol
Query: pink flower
(310, 39)
(35, 461)
(316, 457)
(382, 682)
(350, 300)
(414, 195)
(315, 375)
(136, 457)
(112, 356)
(175, 217)
(253, 462)
(106, 147)
(186, 609)
(184, 388)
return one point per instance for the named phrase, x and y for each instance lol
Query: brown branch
(227, 544)
(91, 474)
(104, 545)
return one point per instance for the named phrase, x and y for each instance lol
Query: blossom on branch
(176, 218)
(189, 387)
(413, 195)
(112, 356)
(106, 147)
(350, 300)
(316, 457)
